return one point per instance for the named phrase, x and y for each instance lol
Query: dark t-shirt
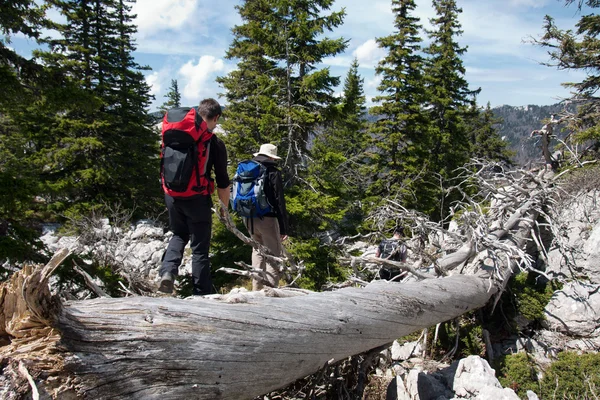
(394, 248)
(218, 159)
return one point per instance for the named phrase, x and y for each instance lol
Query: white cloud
(155, 85)
(369, 52)
(156, 15)
(199, 78)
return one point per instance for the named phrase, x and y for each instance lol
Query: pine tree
(400, 133)
(135, 146)
(18, 17)
(173, 97)
(277, 94)
(578, 50)
(20, 79)
(102, 148)
(449, 99)
(487, 144)
(336, 166)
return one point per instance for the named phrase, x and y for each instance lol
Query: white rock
(531, 395)
(473, 374)
(575, 310)
(405, 351)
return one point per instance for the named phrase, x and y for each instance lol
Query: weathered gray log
(157, 348)
(167, 348)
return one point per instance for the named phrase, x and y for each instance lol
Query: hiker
(392, 249)
(271, 229)
(188, 198)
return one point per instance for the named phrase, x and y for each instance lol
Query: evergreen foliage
(487, 144)
(173, 97)
(102, 147)
(277, 94)
(449, 100)
(578, 51)
(24, 17)
(19, 179)
(401, 142)
(337, 165)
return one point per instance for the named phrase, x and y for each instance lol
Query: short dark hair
(209, 108)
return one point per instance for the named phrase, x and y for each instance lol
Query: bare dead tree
(150, 348)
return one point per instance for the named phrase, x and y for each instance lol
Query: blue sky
(187, 40)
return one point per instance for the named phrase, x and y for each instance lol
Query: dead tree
(167, 348)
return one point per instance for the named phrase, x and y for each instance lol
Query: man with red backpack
(190, 151)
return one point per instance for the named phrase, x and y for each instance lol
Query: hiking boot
(166, 283)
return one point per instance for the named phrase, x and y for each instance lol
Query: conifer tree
(400, 133)
(17, 17)
(173, 97)
(19, 78)
(578, 50)
(277, 94)
(449, 99)
(101, 149)
(487, 144)
(336, 167)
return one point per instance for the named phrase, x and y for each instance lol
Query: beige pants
(266, 232)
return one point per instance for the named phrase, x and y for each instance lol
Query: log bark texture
(156, 348)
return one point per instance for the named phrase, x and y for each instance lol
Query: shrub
(517, 372)
(572, 376)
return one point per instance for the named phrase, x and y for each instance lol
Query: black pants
(190, 219)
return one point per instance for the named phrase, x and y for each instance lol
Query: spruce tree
(336, 166)
(277, 94)
(20, 79)
(578, 50)
(173, 97)
(17, 73)
(102, 149)
(449, 100)
(400, 133)
(487, 144)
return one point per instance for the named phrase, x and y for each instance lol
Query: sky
(187, 40)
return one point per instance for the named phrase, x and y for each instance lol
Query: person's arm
(280, 208)
(220, 167)
(378, 252)
(224, 195)
(404, 254)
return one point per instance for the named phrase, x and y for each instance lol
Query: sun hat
(269, 150)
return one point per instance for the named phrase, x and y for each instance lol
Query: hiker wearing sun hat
(272, 228)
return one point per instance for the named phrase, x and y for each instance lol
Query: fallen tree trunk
(146, 348)
(166, 348)
(200, 348)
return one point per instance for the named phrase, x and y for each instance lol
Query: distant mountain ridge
(517, 124)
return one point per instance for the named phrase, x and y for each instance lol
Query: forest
(80, 151)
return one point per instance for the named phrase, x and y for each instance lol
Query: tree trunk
(158, 348)
(200, 348)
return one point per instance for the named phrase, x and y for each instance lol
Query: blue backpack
(248, 197)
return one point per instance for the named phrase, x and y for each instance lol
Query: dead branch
(90, 282)
(286, 263)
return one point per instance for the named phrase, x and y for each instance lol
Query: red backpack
(185, 149)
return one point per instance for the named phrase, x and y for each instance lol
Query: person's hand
(223, 211)
(284, 237)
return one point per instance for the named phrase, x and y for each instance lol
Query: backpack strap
(206, 150)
